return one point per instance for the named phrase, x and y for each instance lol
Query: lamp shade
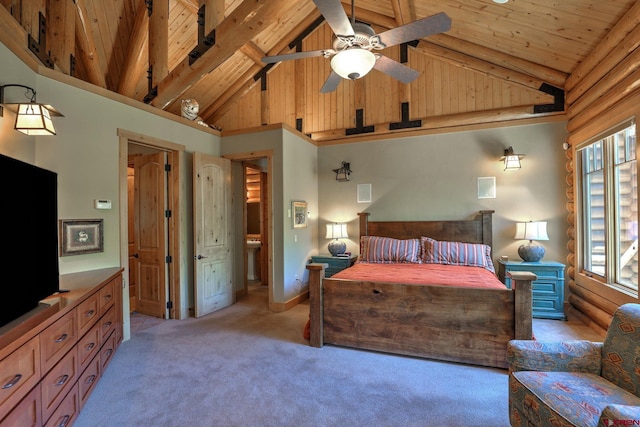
(34, 119)
(337, 231)
(353, 63)
(532, 230)
(511, 160)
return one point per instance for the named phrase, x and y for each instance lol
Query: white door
(213, 234)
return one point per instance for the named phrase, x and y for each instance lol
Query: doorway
(259, 162)
(153, 285)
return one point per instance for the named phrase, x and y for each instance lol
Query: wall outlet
(296, 277)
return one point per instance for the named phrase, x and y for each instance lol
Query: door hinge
(167, 213)
(169, 305)
(168, 259)
(167, 167)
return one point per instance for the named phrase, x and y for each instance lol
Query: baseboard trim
(280, 307)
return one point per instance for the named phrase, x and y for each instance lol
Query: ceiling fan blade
(296, 55)
(424, 27)
(396, 69)
(335, 16)
(331, 83)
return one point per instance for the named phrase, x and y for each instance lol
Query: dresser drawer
(88, 313)
(106, 297)
(88, 380)
(27, 413)
(67, 412)
(107, 324)
(106, 353)
(89, 346)
(19, 372)
(56, 340)
(58, 382)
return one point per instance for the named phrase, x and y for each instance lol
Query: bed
(456, 321)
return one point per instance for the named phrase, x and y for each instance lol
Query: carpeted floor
(246, 366)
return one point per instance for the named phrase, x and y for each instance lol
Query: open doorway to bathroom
(255, 221)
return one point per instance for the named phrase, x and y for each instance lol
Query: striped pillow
(385, 250)
(456, 253)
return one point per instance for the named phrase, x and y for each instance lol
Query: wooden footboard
(464, 325)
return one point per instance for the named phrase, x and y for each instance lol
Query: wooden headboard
(476, 230)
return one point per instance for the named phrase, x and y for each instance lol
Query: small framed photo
(364, 193)
(81, 236)
(299, 216)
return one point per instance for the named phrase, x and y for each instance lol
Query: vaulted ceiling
(497, 62)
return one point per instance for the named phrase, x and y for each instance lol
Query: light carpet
(247, 366)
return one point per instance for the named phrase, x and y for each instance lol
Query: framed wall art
(81, 236)
(299, 214)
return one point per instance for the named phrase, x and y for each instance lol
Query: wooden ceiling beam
(404, 11)
(137, 50)
(159, 42)
(247, 21)
(61, 33)
(213, 14)
(253, 52)
(433, 123)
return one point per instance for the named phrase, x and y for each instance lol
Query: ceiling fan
(352, 56)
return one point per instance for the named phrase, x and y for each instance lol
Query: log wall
(603, 91)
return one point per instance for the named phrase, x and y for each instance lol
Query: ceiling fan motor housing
(364, 38)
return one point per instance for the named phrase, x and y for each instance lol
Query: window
(609, 208)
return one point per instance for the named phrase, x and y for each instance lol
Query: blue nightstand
(336, 264)
(548, 288)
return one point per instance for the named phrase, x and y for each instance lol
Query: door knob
(136, 256)
(201, 257)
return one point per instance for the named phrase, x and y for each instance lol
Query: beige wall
(85, 154)
(435, 177)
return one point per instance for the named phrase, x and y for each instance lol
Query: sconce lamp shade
(343, 172)
(335, 232)
(511, 160)
(34, 119)
(353, 63)
(531, 231)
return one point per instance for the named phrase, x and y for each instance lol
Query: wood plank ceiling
(498, 62)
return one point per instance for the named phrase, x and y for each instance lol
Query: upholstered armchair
(578, 383)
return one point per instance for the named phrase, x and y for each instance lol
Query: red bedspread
(424, 274)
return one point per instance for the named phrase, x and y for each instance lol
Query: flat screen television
(29, 238)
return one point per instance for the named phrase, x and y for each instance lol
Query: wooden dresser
(51, 360)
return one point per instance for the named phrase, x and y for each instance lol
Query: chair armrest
(567, 356)
(629, 415)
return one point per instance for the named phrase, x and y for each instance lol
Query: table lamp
(337, 231)
(531, 231)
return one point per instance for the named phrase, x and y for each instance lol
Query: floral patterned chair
(578, 383)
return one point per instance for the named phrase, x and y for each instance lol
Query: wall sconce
(532, 230)
(343, 172)
(335, 232)
(511, 160)
(32, 118)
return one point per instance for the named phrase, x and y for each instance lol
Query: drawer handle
(107, 325)
(107, 297)
(13, 382)
(108, 352)
(62, 338)
(64, 421)
(89, 313)
(90, 346)
(90, 379)
(63, 379)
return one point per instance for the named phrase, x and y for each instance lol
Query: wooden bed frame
(458, 324)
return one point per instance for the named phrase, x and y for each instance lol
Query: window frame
(609, 280)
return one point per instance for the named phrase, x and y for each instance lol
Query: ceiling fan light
(353, 63)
